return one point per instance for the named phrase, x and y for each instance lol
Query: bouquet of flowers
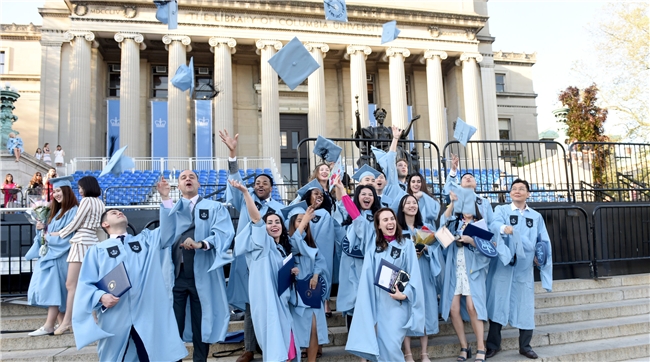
(40, 212)
(423, 237)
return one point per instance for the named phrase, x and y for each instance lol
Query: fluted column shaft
(223, 48)
(270, 99)
(436, 98)
(131, 44)
(179, 140)
(317, 118)
(80, 93)
(50, 92)
(359, 82)
(396, 58)
(471, 92)
(490, 111)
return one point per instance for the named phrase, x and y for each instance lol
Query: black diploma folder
(116, 282)
(472, 230)
(284, 274)
(389, 277)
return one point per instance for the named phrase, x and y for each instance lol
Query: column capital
(431, 54)
(136, 37)
(184, 39)
(324, 48)
(391, 52)
(216, 41)
(263, 43)
(72, 35)
(467, 56)
(352, 49)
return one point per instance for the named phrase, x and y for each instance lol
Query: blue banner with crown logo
(203, 122)
(112, 126)
(159, 129)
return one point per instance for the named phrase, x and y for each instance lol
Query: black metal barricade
(607, 172)
(17, 236)
(495, 164)
(426, 153)
(622, 232)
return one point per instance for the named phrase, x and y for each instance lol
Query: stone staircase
(581, 320)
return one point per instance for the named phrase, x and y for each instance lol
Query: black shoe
(492, 352)
(530, 354)
(468, 351)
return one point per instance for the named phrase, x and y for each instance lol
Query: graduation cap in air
(336, 10)
(61, 181)
(295, 209)
(184, 77)
(466, 203)
(463, 131)
(118, 163)
(364, 171)
(390, 32)
(327, 149)
(293, 63)
(167, 13)
(314, 184)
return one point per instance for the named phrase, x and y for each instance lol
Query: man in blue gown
(137, 325)
(468, 181)
(510, 284)
(202, 237)
(239, 272)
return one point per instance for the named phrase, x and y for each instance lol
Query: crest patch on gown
(113, 251)
(204, 214)
(529, 222)
(135, 246)
(514, 219)
(479, 201)
(370, 218)
(315, 219)
(258, 205)
(395, 252)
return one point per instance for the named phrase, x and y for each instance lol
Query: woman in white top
(84, 225)
(38, 154)
(46, 154)
(58, 156)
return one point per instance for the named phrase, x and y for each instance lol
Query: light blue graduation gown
(327, 234)
(359, 234)
(270, 312)
(309, 261)
(376, 311)
(511, 289)
(237, 289)
(13, 143)
(145, 306)
(392, 193)
(477, 266)
(430, 209)
(217, 230)
(430, 264)
(47, 286)
(484, 205)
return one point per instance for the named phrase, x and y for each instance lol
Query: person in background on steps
(47, 186)
(15, 145)
(38, 154)
(510, 285)
(8, 189)
(59, 155)
(47, 285)
(139, 325)
(84, 226)
(35, 187)
(46, 154)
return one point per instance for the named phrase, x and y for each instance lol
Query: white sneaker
(40, 332)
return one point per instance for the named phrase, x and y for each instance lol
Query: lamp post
(8, 95)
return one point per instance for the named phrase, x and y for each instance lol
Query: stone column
(131, 44)
(490, 112)
(359, 82)
(223, 48)
(81, 42)
(398, 110)
(471, 97)
(179, 140)
(270, 99)
(316, 91)
(50, 89)
(437, 122)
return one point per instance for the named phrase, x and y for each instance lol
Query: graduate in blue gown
(465, 273)
(47, 285)
(510, 285)
(359, 232)
(429, 207)
(309, 323)
(382, 319)
(394, 189)
(467, 181)
(430, 261)
(15, 145)
(265, 243)
(139, 325)
(237, 289)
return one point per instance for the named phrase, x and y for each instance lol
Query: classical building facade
(97, 64)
